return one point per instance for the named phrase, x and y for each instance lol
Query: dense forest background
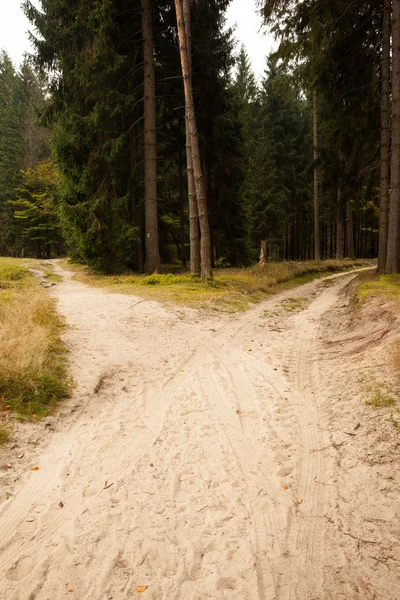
(293, 165)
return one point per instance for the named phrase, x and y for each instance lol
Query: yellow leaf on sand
(253, 472)
(34, 468)
(70, 590)
(300, 500)
(141, 588)
(285, 487)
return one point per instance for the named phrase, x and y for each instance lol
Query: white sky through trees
(249, 31)
(14, 31)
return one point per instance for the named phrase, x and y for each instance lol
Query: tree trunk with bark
(193, 212)
(385, 138)
(317, 251)
(350, 231)
(182, 213)
(263, 254)
(392, 260)
(201, 194)
(339, 227)
(150, 145)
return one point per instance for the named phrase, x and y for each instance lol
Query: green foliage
(34, 208)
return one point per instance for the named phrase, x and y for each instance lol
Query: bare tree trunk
(193, 212)
(339, 228)
(350, 232)
(392, 261)
(385, 137)
(150, 146)
(201, 194)
(317, 251)
(182, 213)
(263, 254)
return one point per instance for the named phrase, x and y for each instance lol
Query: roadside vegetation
(385, 288)
(231, 290)
(33, 362)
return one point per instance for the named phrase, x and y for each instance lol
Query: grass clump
(381, 400)
(231, 290)
(33, 371)
(4, 435)
(291, 304)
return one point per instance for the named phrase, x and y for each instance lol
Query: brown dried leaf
(36, 468)
(141, 588)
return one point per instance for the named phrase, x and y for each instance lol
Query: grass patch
(4, 435)
(387, 286)
(291, 304)
(381, 400)
(231, 290)
(33, 363)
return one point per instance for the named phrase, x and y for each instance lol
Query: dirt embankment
(360, 404)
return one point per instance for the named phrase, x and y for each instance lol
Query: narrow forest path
(193, 460)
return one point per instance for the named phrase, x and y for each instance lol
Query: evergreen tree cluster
(291, 164)
(24, 154)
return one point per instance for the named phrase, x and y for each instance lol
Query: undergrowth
(231, 290)
(33, 363)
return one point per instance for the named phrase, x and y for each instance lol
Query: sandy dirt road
(192, 458)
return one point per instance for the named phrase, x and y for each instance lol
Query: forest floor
(249, 456)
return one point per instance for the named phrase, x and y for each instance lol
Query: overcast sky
(14, 27)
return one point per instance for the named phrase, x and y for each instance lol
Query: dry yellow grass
(230, 290)
(32, 357)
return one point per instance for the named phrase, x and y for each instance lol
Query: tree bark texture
(350, 231)
(263, 254)
(193, 212)
(385, 137)
(150, 145)
(201, 194)
(392, 260)
(317, 250)
(339, 227)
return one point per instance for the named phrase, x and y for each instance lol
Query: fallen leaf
(300, 500)
(141, 588)
(253, 472)
(250, 350)
(70, 590)
(21, 455)
(34, 468)
(191, 472)
(285, 487)
(275, 369)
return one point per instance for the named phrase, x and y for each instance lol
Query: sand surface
(202, 456)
